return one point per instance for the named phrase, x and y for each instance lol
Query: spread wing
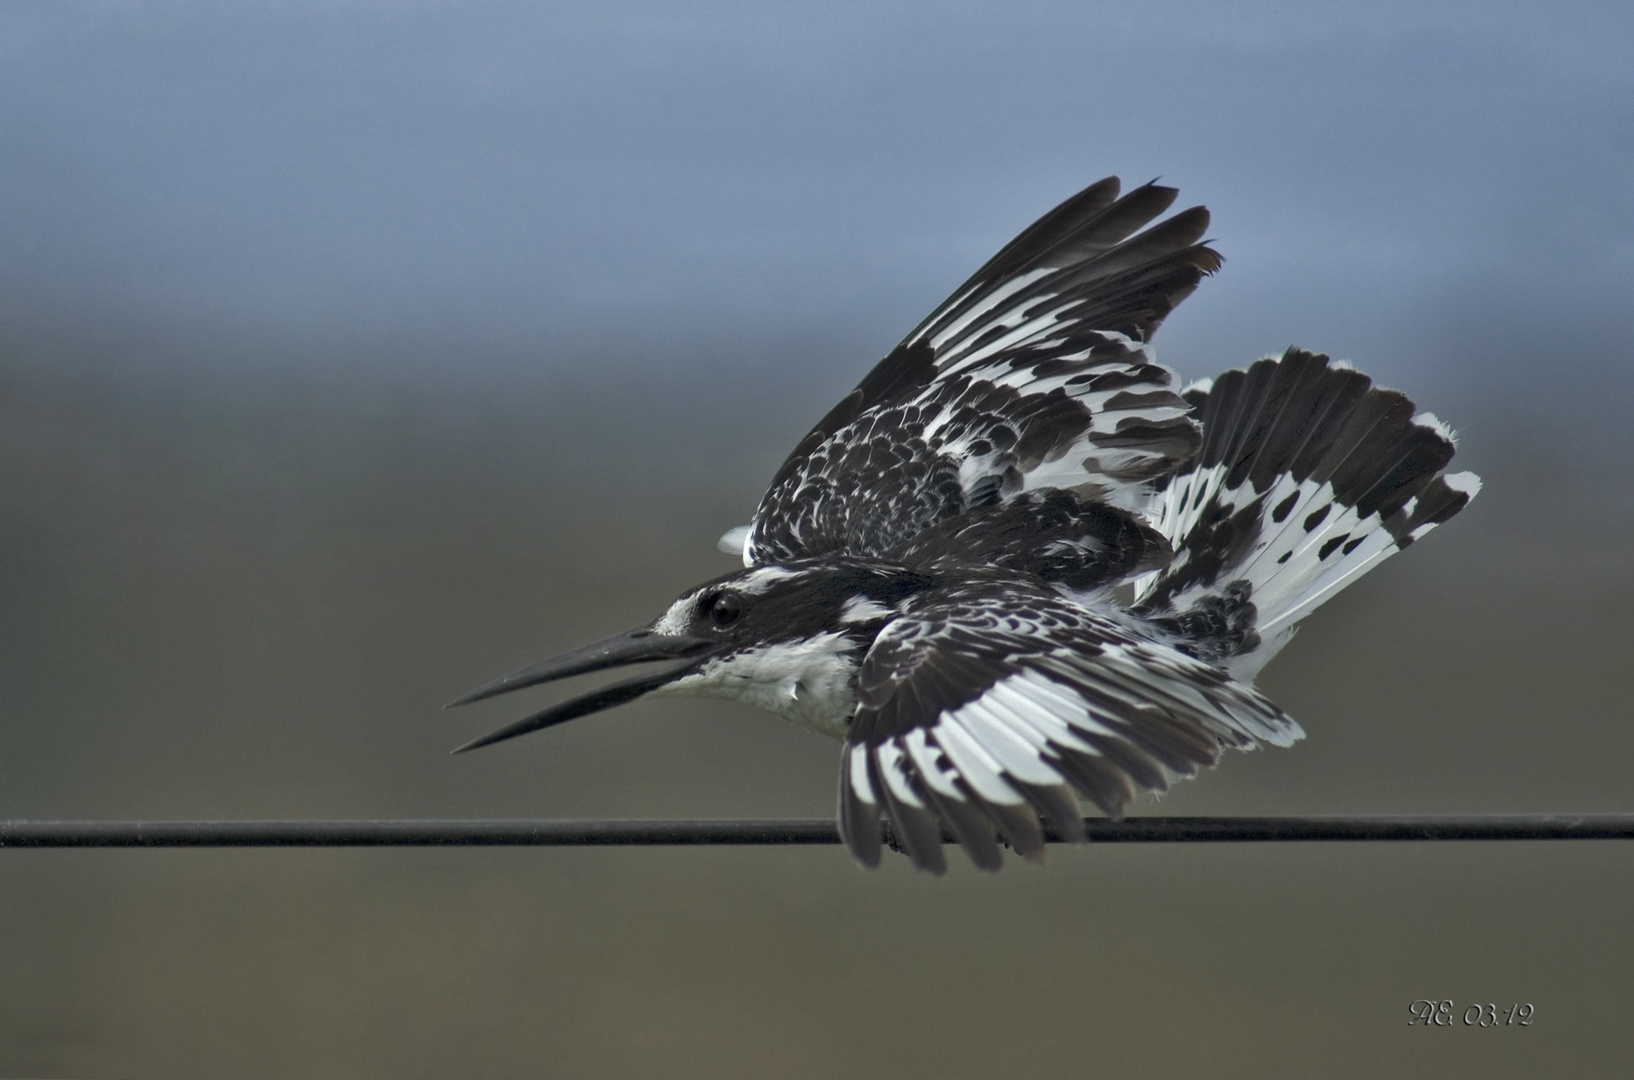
(986, 703)
(1034, 375)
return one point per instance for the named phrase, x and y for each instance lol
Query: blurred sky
(1406, 184)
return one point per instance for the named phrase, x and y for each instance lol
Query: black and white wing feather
(1033, 376)
(988, 701)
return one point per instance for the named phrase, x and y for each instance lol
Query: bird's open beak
(636, 647)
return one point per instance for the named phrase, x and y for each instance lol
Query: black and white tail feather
(1015, 566)
(1308, 477)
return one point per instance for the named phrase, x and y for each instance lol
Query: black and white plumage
(1016, 566)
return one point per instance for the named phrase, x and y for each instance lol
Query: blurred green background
(246, 593)
(353, 354)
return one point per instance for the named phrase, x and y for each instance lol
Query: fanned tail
(1308, 477)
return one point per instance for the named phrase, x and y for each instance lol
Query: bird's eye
(725, 609)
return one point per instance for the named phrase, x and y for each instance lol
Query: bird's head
(784, 637)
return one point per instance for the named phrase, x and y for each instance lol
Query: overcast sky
(1390, 181)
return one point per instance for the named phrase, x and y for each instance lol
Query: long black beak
(635, 647)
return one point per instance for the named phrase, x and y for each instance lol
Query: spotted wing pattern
(988, 701)
(1034, 375)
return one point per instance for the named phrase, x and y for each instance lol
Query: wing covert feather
(1034, 376)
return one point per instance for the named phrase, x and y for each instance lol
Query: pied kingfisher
(1014, 564)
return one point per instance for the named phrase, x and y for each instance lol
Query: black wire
(571, 833)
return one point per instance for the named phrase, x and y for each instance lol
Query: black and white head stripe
(987, 702)
(777, 600)
(1034, 376)
(1308, 476)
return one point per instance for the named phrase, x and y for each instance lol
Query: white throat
(809, 682)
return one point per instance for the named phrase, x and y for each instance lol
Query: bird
(1019, 569)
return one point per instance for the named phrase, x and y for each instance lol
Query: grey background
(351, 354)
